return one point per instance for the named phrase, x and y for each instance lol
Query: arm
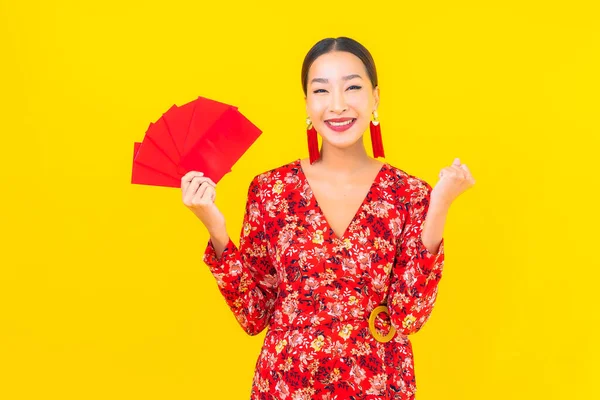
(417, 270)
(433, 229)
(245, 276)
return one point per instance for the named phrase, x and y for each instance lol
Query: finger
(205, 178)
(460, 173)
(187, 178)
(196, 182)
(191, 190)
(210, 194)
(203, 194)
(464, 166)
(213, 184)
(446, 171)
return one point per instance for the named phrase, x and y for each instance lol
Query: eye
(353, 86)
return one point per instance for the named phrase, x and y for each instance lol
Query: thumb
(456, 162)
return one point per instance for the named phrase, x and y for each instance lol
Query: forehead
(336, 64)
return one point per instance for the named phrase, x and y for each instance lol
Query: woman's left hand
(454, 180)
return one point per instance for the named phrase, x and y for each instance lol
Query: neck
(348, 160)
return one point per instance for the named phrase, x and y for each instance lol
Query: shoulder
(275, 176)
(408, 188)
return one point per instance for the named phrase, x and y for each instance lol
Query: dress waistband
(329, 322)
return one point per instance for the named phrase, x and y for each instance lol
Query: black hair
(341, 43)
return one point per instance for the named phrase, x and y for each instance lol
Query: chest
(339, 204)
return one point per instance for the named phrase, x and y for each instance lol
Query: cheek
(360, 103)
(317, 107)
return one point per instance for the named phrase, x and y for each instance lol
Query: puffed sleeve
(416, 272)
(245, 276)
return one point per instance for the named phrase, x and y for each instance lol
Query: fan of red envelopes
(203, 135)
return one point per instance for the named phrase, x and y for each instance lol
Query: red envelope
(152, 156)
(222, 143)
(165, 143)
(203, 135)
(177, 120)
(143, 175)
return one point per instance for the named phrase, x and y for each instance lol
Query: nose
(338, 102)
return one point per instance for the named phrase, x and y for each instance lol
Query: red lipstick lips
(340, 124)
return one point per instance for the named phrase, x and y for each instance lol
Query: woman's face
(339, 88)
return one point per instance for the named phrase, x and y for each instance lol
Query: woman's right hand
(199, 194)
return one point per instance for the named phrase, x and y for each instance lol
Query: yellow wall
(103, 294)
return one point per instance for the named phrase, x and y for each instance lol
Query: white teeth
(340, 123)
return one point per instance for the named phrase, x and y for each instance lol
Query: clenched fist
(199, 194)
(454, 180)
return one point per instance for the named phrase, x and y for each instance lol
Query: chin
(342, 143)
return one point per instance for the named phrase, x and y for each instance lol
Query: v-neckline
(313, 198)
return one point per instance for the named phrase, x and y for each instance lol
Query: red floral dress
(315, 291)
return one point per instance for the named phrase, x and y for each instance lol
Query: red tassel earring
(313, 141)
(376, 140)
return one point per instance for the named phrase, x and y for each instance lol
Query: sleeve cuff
(428, 254)
(430, 263)
(210, 254)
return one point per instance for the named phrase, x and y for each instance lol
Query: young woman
(340, 255)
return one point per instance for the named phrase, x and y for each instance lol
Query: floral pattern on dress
(315, 291)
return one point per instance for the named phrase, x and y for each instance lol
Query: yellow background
(103, 294)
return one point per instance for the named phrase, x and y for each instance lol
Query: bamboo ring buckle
(377, 335)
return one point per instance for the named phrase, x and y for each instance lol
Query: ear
(376, 96)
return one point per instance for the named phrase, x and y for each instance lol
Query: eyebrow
(345, 78)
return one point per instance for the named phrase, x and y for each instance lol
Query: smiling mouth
(344, 123)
